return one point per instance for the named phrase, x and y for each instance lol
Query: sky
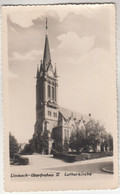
(81, 39)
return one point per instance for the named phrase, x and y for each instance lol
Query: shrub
(80, 157)
(27, 150)
(19, 160)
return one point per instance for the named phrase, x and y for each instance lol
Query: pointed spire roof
(55, 71)
(46, 57)
(38, 72)
(41, 66)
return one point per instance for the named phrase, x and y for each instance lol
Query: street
(47, 164)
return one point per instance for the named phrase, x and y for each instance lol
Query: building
(60, 122)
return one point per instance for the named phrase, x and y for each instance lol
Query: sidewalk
(46, 162)
(60, 163)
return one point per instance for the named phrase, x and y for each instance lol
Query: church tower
(46, 94)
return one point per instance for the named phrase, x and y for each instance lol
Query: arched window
(55, 114)
(68, 134)
(53, 91)
(49, 93)
(65, 132)
(49, 113)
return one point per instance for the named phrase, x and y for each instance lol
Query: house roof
(68, 113)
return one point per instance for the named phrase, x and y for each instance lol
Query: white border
(35, 2)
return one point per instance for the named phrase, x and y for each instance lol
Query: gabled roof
(68, 113)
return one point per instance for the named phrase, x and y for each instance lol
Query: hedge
(81, 156)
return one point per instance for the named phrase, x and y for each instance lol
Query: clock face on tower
(50, 73)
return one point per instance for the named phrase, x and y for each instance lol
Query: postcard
(60, 99)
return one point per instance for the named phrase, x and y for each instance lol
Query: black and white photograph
(60, 97)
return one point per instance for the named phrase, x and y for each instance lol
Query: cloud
(32, 55)
(79, 44)
(73, 45)
(23, 40)
(25, 18)
(87, 82)
(82, 20)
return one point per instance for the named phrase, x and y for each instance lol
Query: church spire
(46, 26)
(46, 56)
(38, 72)
(55, 71)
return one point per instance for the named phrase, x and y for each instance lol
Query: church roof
(46, 57)
(38, 72)
(68, 113)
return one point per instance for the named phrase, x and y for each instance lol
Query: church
(59, 121)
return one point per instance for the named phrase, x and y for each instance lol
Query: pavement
(41, 163)
(49, 173)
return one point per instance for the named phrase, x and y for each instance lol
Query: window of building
(55, 114)
(49, 93)
(67, 133)
(49, 113)
(53, 93)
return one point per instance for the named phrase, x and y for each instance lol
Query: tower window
(49, 113)
(55, 114)
(68, 134)
(49, 93)
(53, 92)
(65, 132)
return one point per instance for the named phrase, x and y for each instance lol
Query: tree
(13, 145)
(77, 140)
(44, 141)
(95, 134)
(26, 149)
(65, 146)
(108, 142)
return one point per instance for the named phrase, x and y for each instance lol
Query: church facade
(60, 122)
